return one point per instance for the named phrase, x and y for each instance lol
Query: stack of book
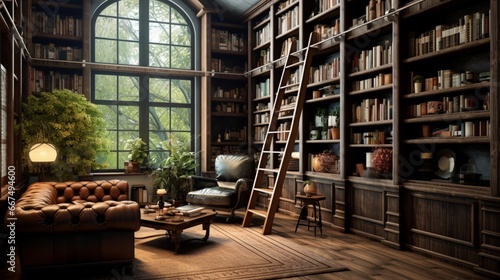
(190, 210)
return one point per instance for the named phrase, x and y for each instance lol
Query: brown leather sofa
(231, 187)
(75, 223)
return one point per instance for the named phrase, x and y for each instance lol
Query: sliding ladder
(283, 127)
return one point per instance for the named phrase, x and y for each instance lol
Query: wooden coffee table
(174, 229)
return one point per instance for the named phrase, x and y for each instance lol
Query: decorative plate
(445, 163)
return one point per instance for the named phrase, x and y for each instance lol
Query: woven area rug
(231, 252)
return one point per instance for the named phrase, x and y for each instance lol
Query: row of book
(230, 107)
(285, 4)
(447, 78)
(470, 28)
(57, 25)
(379, 80)
(325, 71)
(289, 20)
(377, 56)
(262, 89)
(228, 41)
(48, 81)
(372, 109)
(50, 51)
(325, 5)
(450, 104)
(374, 9)
(234, 93)
(263, 35)
(219, 65)
(326, 31)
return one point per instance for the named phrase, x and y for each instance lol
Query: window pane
(181, 91)
(129, 53)
(181, 35)
(110, 10)
(181, 119)
(158, 11)
(182, 137)
(159, 55)
(128, 88)
(105, 27)
(128, 117)
(105, 87)
(159, 90)
(159, 118)
(128, 29)
(123, 136)
(181, 57)
(109, 114)
(128, 8)
(107, 51)
(176, 17)
(159, 33)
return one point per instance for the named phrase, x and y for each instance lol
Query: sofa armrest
(199, 182)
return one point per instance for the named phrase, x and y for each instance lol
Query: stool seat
(314, 201)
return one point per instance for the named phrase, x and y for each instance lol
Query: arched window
(147, 44)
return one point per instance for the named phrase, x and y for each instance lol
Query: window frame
(144, 72)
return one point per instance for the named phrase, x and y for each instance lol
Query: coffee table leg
(175, 237)
(206, 227)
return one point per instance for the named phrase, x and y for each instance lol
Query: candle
(369, 160)
(161, 192)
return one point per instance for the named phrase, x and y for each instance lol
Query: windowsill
(97, 174)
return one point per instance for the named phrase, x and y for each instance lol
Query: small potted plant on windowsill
(137, 156)
(417, 83)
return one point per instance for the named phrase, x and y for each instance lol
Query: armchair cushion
(233, 167)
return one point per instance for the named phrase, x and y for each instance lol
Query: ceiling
(235, 8)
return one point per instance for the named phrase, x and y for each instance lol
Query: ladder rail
(303, 66)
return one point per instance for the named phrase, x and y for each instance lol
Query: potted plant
(310, 188)
(173, 173)
(417, 82)
(333, 122)
(137, 156)
(72, 124)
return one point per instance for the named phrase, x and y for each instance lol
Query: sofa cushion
(216, 196)
(47, 207)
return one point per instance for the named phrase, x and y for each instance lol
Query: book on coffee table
(190, 210)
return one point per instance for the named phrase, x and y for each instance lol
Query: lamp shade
(43, 152)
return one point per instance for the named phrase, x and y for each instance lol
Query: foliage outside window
(148, 105)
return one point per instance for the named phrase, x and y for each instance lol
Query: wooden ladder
(283, 126)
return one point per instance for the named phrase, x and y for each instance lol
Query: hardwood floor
(366, 259)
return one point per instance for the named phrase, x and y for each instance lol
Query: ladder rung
(290, 86)
(293, 65)
(271, 152)
(264, 190)
(275, 170)
(286, 108)
(258, 212)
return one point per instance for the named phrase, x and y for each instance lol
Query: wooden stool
(314, 201)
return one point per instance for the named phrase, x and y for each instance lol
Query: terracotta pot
(335, 132)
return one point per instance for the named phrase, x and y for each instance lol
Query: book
(190, 210)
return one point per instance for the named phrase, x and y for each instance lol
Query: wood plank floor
(366, 259)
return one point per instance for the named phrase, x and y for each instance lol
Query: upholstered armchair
(231, 187)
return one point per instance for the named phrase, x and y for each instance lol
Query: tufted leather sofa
(69, 223)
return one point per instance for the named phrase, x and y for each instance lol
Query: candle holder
(161, 203)
(160, 193)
